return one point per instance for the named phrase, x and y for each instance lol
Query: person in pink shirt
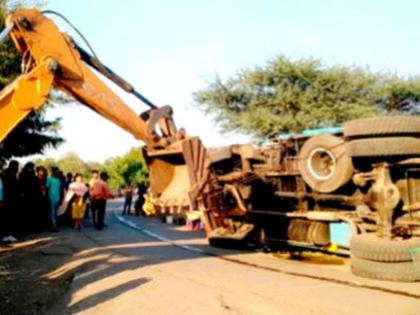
(99, 193)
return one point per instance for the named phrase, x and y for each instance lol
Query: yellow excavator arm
(55, 61)
(178, 164)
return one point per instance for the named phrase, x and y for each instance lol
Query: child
(128, 194)
(149, 204)
(79, 191)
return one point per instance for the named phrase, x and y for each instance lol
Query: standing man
(141, 192)
(68, 180)
(43, 215)
(54, 196)
(99, 193)
(128, 194)
(94, 177)
(11, 200)
(28, 198)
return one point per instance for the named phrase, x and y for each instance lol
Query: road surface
(153, 268)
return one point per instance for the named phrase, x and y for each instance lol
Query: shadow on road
(71, 271)
(107, 264)
(108, 294)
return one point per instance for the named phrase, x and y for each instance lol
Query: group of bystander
(31, 199)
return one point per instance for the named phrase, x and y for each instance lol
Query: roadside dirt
(25, 287)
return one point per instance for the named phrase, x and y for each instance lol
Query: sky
(169, 49)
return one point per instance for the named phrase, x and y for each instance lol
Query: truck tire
(381, 147)
(369, 246)
(393, 271)
(382, 126)
(323, 163)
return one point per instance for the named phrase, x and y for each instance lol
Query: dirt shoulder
(26, 284)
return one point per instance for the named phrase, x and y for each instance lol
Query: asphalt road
(154, 268)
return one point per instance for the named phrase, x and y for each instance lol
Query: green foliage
(286, 95)
(9, 57)
(129, 168)
(70, 163)
(48, 163)
(12, 5)
(31, 136)
(35, 132)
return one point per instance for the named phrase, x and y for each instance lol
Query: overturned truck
(366, 174)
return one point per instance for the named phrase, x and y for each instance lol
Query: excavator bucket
(178, 174)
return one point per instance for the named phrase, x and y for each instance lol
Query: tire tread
(381, 147)
(393, 271)
(369, 246)
(381, 126)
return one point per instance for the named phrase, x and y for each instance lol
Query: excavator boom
(39, 39)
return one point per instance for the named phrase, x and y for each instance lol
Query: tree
(72, 163)
(35, 133)
(286, 95)
(129, 168)
(48, 163)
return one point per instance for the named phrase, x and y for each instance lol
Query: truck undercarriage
(289, 192)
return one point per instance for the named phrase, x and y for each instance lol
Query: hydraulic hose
(5, 33)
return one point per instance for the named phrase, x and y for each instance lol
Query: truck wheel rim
(321, 164)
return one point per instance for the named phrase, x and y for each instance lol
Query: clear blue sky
(168, 49)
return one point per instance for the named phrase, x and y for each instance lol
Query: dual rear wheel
(325, 163)
(384, 138)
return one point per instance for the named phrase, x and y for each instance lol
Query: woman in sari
(79, 190)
